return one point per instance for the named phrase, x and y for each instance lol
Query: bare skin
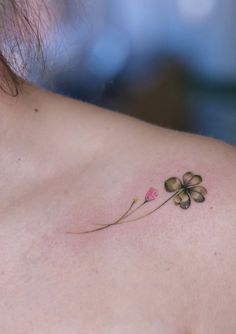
(67, 166)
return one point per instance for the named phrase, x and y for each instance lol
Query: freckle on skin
(36, 109)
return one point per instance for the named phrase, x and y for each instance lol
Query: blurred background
(169, 62)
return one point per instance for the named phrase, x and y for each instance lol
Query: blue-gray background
(170, 62)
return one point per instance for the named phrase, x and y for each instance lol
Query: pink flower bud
(151, 195)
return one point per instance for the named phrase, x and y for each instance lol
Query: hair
(20, 42)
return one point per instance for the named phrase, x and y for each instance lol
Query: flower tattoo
(151, 195)
(183, 192)
(187, 190)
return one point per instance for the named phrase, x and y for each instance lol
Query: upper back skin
(172, 272)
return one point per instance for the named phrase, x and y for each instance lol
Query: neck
(21, 156)
(14, 114)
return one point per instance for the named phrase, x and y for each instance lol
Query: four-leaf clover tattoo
(187, 190)
(183, 193)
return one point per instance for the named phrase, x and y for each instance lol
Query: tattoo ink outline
(184, 192)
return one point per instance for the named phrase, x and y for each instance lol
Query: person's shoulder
(174, 147)
(160, 154)
(147, 143)
(191, 247)
(142, 151)
(177, 254)
(117, 128)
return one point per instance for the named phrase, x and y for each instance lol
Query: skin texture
(69, 166)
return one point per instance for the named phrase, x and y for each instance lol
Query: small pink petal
(151, 195)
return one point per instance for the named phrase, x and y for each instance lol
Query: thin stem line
(108, 225)
(124, 214)
(127, 214)
(149, 213)
(118, 222)
(138, 207)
